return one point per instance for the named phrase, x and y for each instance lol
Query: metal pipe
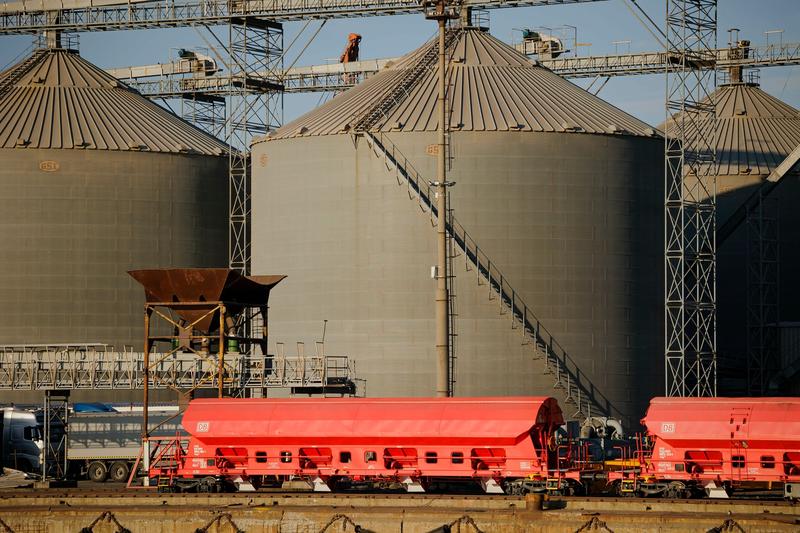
(442, 318)
(221, 353)
(146, 386)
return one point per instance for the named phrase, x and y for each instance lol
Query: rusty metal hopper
(191, 292)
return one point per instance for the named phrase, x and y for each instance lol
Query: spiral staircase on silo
(576, 388)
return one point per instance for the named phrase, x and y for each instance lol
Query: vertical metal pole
(146, 387)
(221, 352)
(46, 444)
(442, 318)
(264, 348)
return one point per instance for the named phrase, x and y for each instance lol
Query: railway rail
(141, 510)
(280, 497)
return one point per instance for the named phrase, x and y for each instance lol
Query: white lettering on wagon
(668, 427)
(202, 427)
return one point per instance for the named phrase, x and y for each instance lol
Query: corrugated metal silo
(96, 180)
(755, 133)
(561, 189)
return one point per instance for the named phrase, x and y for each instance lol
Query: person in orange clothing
(350, 54)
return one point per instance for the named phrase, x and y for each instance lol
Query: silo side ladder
(579, 391)
(12, 77)
(402, 88)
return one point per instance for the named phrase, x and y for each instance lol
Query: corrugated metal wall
(573, 220)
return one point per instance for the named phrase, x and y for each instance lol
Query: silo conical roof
(492, 87)
(61, 101)
(755, 131)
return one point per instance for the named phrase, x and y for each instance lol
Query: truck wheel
(119, 471)
(97, 471)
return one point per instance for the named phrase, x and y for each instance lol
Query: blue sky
(599, 24)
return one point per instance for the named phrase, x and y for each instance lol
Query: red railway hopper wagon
(414, 443)
(710, 446)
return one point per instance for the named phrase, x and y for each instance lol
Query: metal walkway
(657, 62)
(156, 81)
(97, 367)
(578, 390)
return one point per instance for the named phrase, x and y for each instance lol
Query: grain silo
(96, 180)
(561, 189)
(755, 133)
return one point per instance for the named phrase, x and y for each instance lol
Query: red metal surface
(726, 440)
(714, 419)
(357, 438)
(330, 420)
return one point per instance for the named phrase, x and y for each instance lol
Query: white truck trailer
(105, 445)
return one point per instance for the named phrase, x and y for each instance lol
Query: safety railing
(97, 366)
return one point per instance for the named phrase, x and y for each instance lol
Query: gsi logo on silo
(49, 166)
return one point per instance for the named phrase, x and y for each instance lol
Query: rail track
(29, 510)
(280, 496)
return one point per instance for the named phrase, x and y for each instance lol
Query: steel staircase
(15, 74)
(402, 88)
(578, 390)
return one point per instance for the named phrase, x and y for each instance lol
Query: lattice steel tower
(690, 200)
(255, 107)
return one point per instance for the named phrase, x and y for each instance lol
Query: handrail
(565, 368)
(13, 75)
(403, 87)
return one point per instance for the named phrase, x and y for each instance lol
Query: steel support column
(55, 422)
(690, 200)
(762, 296)
(255, 107)
(207, 112)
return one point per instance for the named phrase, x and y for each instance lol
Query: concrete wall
(574, 221)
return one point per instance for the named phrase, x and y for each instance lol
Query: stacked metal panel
(562, 190)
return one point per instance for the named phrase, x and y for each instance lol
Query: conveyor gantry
(24, 16)
(160, 81)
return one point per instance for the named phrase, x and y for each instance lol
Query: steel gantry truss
(763, 271)
(255, 100)
(101, 15)
(690, 200)
(154, 82)
(656, 62)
